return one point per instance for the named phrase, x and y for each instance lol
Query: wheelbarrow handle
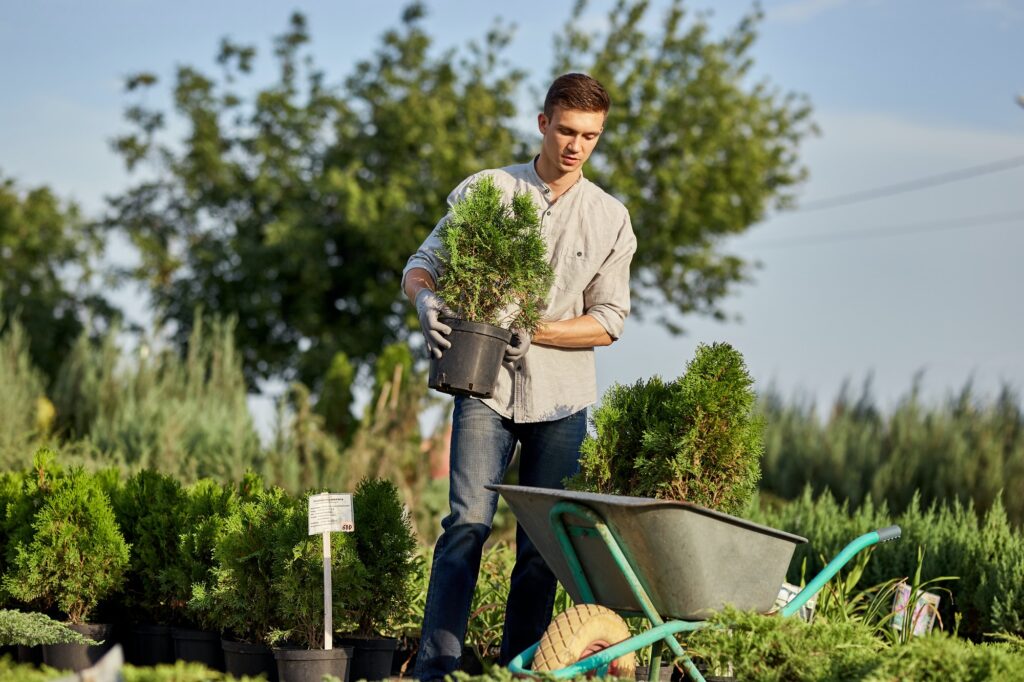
(817, 582)
(888, 533)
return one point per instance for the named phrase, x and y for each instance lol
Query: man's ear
(542, 123)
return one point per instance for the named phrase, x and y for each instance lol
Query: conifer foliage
(695, 439)
(496, 269)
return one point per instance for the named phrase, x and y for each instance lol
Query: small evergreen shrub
(298, 582)
(495, 260)
(150, 509)
(70, 554)
(207, 504)
(33, 629)
(386, 547)
(694, 439)
(241, 598)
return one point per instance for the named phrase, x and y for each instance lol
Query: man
(543, 389)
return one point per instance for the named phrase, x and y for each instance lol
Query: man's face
(570, 137)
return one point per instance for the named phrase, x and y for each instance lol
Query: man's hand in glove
(517, 346)
(430, 308)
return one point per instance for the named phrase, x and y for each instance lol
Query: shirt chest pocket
(573, 272)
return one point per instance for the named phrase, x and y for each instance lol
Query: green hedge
(985, 552)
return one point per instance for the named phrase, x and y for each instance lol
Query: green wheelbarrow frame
(588, 523)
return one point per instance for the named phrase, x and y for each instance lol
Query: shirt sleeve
(606, 298)
(427, 256)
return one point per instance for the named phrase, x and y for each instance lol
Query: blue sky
(901, 90)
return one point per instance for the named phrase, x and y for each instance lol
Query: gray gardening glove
(517, 346)
(430, 308)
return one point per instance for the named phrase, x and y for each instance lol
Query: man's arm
(579, 332)
(415, 280)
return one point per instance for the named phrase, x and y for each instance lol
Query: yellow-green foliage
(23, 388)
(985, 553)
(968, 449)
(775, 649)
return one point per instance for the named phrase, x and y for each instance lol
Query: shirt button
(548, 213)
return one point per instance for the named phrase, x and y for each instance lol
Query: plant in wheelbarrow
(494, 281)
(695, 439)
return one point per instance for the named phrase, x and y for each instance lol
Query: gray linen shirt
(590, 244)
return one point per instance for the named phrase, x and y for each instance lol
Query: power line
(893, 231)
(912, 185)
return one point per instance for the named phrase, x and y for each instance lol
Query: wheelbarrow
(674, 563)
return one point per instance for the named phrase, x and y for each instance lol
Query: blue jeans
(483, 443)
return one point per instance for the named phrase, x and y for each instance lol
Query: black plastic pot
(198, 646)
(310, 665)
(470, 367)
(404, 660)
(9, 650)
(371, 658)
(32, 655)
(78, 657)
(148, 645)
(241, 658)
(668, 673)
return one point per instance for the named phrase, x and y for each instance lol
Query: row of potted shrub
(208, 572)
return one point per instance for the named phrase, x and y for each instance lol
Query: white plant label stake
(330, 513)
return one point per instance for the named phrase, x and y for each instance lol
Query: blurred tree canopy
(47, 255)
(295, 206)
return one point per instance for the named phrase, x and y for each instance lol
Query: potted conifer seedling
(695, 439)
(495, 279)
(241, 596)
(299, 600)
(195, 626)
(150, 510)
(386, 548)
(65, 554)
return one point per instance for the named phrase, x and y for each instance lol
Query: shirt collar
(544, 187)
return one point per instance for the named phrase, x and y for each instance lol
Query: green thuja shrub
(241, 596)
(298, 581)
(694, 439)
(206, 505)
(150, 509)
(495, 260)
(386, 547)
(66, 550)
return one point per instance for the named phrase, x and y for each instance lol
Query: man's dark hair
(576, 91)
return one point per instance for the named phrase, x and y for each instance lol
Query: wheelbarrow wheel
(580, 632)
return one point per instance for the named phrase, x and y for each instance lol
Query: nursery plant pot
(470, 367)
(371, 657)
(148, 645)
(241, 658)
(78, 657)
(668, 673)
(32, 655)
(310, 665)
(404, 661)
(198, 646)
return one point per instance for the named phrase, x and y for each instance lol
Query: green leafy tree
(696, 148)
(47, 254)
(296, 208)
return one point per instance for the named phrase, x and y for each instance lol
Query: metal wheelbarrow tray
(674, 563)
(690, 560)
